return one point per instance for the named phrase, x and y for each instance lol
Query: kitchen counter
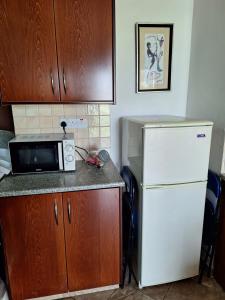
(84, 178)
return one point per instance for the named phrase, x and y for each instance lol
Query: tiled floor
(182, 290)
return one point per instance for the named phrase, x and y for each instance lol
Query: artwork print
(154, 44)
(154, 67)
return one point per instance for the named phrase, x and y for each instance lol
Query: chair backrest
(213, 190)
(130, 183)
(130, 197)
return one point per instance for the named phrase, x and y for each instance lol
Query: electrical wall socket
(75, 123)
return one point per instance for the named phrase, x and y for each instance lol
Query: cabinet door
(33, 235)
(28, 59)
(84, 31)
(92, 238)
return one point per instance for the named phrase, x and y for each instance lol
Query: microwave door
(34, 157)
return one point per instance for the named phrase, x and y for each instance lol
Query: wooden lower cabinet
(62, 242)
(92, 238)
(33, 237)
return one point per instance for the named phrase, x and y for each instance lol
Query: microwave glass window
(34, 157)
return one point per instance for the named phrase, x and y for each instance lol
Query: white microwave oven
(42, 153)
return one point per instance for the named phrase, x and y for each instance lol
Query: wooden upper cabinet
(28, 58)
(92, 238)
(84, 33)
(33, 236)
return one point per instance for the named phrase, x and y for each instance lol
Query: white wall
(129, 12)
(206, 97)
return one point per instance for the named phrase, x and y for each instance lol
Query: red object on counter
(94, 161)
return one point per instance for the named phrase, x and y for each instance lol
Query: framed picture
(153, 56)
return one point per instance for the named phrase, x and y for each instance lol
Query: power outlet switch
(75, 123)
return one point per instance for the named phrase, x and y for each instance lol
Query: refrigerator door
(172, 220)
(176, 155)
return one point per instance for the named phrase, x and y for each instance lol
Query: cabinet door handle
(64, 81)
(56, 213)
(52, 83)
(69, 211)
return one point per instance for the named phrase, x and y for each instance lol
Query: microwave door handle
(60, 156)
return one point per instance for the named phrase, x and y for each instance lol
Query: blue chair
(210, 225)
(129, 223)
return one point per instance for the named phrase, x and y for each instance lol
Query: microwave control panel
(69, 155)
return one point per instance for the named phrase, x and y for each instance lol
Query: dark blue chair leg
(125, 264)
(211, 260)
(131, 273)
(129, 280)
(204, 264)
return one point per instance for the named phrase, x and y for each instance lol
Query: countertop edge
(61, 189)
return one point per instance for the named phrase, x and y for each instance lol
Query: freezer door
(172, 221)
(176, 155)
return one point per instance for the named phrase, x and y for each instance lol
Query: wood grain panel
(92, 238)
(34, 245)
(28, 51)
(84, 31)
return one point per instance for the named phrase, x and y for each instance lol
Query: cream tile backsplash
(46, 119)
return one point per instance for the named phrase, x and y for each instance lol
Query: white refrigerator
(169, 157)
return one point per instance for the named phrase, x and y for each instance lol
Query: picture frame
(153, 57)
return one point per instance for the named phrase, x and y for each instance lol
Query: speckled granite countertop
(84, 178)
